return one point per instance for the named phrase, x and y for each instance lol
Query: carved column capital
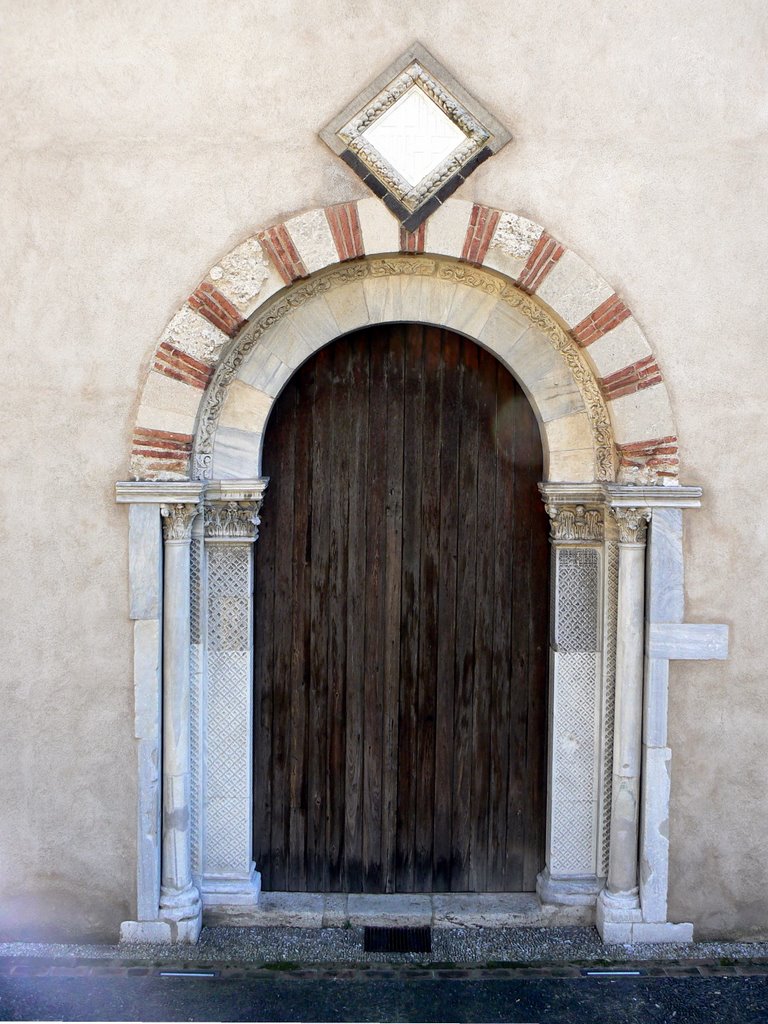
(632, 524)
(575, 522)
(177, 520)
(232, 520)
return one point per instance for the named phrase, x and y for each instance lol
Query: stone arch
(501, 279)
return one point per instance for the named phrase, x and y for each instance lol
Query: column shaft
(180, 902)
(627, 747)
(619, 904)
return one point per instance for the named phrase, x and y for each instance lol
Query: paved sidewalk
(518, 976)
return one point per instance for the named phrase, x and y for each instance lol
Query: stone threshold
(436, 910)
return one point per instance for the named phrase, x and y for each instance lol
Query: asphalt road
(517, 997)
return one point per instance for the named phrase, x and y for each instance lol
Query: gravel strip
(345, 945)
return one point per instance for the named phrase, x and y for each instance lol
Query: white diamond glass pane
(414, 136)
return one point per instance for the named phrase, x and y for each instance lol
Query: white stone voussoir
(168, 404)
(624, 345)
(246, 277)
(573, 289)
(644, 414)
(245, 407)
(513, 242)
(313, 239)
(191, 333)
(446, 229)
(380, 230)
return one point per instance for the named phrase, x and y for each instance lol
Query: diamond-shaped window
(414, 136)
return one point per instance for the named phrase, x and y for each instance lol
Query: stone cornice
(158, 492)
(621, 495)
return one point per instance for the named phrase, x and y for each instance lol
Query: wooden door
(401, 623)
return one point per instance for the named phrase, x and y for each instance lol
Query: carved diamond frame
(412, 204)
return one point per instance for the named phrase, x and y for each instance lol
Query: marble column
(180, 904)
(619, 905)
(229, 876)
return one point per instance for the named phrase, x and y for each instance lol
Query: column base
(145, 931)
(568, 890)
(231, 891)
(615, 915)
(182, 910)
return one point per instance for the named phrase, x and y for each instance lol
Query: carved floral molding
(425, 267)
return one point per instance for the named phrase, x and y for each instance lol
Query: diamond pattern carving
(577, 599)
(227, 839)
(573, 768)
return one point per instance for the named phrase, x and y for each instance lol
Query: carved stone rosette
(232, 520)
(632, 524)
(177, 520)
(576, 522)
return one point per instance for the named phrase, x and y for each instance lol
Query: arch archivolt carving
(530, 342)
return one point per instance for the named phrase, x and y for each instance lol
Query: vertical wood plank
(483, 642)
(374, 620)
(465, 623)
(339, 359)
(428, 638)
(317, 862)
(394, 370)
(355, 607)
(499, 735)
(537, 675)
(303, 388)
(413, 417)
(450, 501)
(264, 601)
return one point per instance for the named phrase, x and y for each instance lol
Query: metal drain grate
(397, 940)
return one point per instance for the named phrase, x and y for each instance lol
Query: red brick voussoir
(181, 366)
(600, 321)
(660, 454)
(344, 222)
(278, 245)
(635, 377)
(541, 261)
(217, 309)
(413, 241)
(480, 231)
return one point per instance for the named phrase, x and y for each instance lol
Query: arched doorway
(401, 596)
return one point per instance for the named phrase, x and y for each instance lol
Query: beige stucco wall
(139, 145)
